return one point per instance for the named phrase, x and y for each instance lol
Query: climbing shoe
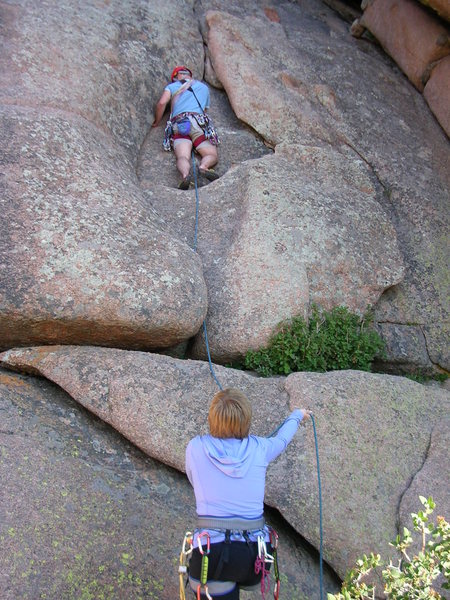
(209, 174)
(185, 183)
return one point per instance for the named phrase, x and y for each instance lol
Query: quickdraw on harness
(183, 569)
(264, 558)
(204, 566)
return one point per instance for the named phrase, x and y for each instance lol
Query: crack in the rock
(419, 326)
(394, 217)
(364, 159)
(410, 481)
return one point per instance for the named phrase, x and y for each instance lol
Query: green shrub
(411, 578)
(328, 341)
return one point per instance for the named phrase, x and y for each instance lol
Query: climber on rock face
(188, 124)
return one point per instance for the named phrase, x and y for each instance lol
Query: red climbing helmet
(177, 70)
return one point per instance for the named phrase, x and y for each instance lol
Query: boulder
(84, 514)
(274, 237)
(83, 257)
(284, 237)
(437, 93)
(273, 101)
(413, 37)
(373, 431)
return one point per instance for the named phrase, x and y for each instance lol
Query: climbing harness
(205, 122)
(180, 125)
(229, 526)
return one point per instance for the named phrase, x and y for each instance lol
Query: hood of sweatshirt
(232, 456)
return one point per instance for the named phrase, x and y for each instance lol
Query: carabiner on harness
(204, 566)
(274, 543)
(262, 550)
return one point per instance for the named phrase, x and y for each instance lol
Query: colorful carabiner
(199, 541)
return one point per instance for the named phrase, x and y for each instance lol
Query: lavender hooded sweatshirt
(228, 475)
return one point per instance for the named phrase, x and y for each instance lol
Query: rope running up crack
(205, 333)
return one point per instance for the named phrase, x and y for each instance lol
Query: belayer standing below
(227, 470)
(188, 124)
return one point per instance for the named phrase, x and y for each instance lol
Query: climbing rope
(185, 554)
(316, 444)
(196, 202)
(205, 333)
(211, 368)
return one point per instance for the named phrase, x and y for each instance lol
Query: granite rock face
(373, 432)
(101, 61)
(320, 84)
(88, 250)
(334, 189)
(82, 509)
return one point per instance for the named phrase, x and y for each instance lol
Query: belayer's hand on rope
(307, 415)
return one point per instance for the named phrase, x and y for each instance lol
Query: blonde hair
(230, 414)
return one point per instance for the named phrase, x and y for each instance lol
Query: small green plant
(410, 578)
(439, 377)
(328, 341)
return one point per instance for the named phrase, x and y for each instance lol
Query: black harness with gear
(213, 566)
